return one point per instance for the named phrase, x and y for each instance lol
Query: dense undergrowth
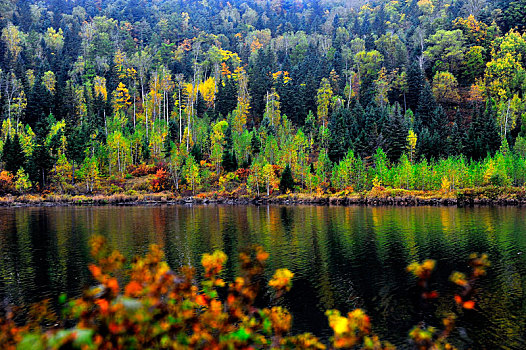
(501, 177)
(159, 309)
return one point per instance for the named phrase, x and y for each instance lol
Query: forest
(260, 97)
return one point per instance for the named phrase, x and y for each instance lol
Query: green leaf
(62, 298)
(30, 342)
(241, 334)
(83, 337)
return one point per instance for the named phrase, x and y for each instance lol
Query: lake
(342, 257)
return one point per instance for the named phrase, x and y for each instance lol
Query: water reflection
(343, 257)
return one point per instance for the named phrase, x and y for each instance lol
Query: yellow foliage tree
(426, 6)
(99, 85)
(54, 39)
(49, 81)
(445, 87)
(270, 178)
(12, 38)
(121, 98)
(208, 89)
(323, 99)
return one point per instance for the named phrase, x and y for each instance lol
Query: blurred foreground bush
(159, 309)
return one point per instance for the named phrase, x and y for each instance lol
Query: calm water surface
(342, 257)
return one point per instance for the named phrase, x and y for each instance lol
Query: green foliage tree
(191, 173)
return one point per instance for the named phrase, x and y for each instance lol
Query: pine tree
(7, 154)
(255, 143)
(13, 156)
(260, 81)
(146, 154)
(287, 181)
(229, 162)
(340, 137)
(426, 107)
(289, 98)
(482, 137)
(366, 126)
(396, 134)
(226, 97)
(455, 140)
(200, 105)
(415, 83)
(431, 125)
(196, 152)
(40, 164)
(76, 143)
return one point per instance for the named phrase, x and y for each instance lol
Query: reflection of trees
(16, 264)
(342, 257)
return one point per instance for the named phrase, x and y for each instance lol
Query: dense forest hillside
(260, 96)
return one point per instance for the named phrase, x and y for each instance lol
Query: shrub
(228, 182)
(140, 170)
(161, 181)
(158, 308)
(114, 189)
(6, 182)
(242, 173)
(116, 184)
(143, 186)
(22, 183)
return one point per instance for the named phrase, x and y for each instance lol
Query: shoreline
(464, 198)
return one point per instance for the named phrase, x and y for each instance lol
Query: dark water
(342, 257)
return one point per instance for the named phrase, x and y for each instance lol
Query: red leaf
(470, 304)
(200, 299)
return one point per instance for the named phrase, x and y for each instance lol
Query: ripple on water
(342, 257)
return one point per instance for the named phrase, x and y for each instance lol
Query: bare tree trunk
(133, 109)
(145, 109)
(180, 117)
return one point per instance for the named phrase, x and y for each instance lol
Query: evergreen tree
(38, 103)
(482, 137)
(226, 97)
(368, 138)
(76, 142)
(196, 152)
(455, 140)
(255, 143)
(415, 83)
(260, 79)
(289, 99)
(200, 105)
(426, 107)
(431, 125)
(40, 164)
(287, 181)
(170, 138)
(146, 154)
(340, 136)
(229, 162)
(396, 132)
(13, 156)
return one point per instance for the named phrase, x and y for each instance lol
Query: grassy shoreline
(503, 196)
